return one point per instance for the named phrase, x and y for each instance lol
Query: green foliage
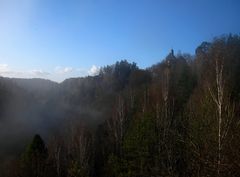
(33, 161)
(115, 166)
(139, 146)
(37, 148)
(75, 170)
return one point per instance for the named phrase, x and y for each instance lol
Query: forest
(177, 118)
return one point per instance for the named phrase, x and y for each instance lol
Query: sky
(58, 39)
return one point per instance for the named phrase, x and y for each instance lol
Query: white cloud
(57, 74)
(63, 70)
(39, 73)
(94, 70)
(6, 71)
(4, 68)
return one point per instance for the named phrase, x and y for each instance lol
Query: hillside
(179, 117)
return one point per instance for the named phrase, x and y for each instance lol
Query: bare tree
(165, 93)
(56, 147)
(164, 112)
(116, 124)
(79, 149)
(217, 97)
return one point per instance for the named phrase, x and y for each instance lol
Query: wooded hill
(177, 118)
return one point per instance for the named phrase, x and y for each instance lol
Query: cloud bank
(58, 74)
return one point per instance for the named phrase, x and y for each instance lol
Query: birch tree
(217, 97)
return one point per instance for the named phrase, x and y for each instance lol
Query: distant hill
(35, 84)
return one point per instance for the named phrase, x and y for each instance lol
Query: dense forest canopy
(177, 118)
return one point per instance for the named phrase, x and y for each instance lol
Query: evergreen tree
(34, 159)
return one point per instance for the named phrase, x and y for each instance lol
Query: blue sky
(57, 39)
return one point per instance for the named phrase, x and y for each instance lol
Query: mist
(124, 118)
(37, 106)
